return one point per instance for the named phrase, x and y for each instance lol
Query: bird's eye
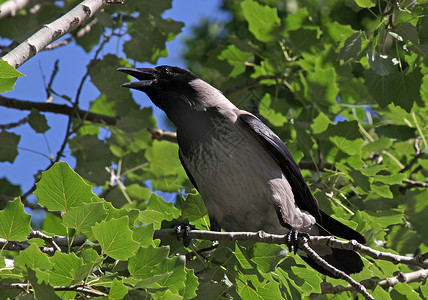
(166, 70)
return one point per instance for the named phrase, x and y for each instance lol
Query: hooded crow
(245, 174)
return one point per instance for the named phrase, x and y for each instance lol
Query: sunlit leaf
(115, 238)
(14, 221)
(61, 188)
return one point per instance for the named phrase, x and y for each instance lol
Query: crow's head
(168, 87)
(178, 92)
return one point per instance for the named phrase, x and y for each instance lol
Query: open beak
(146, 77)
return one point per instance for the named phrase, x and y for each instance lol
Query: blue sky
(71, 70)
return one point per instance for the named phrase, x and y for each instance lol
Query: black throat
(199, 127)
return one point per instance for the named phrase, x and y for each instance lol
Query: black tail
(345, 260)
(341, 230)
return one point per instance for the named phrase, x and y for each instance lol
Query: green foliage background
(302, 66)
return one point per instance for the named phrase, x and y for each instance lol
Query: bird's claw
(185, 228)
(293, 239)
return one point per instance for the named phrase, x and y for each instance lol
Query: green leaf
(379, 62)
(163, 158)
(114, 213)
(241, 255)
(380, 293)
(108, 65)
(321, 86)
(14, 221)
(8, 77)
(404, 291)
(378, 145)
(89, 256)
(53, 225)
(60, 188)
(408, 32)
(360, 180)
(90, 39)
(268, 256)
(400, 88)
(194, 207)
(115, 238)
(141, 264)
(424, 289)
(387, 217)
(144, 235)
(311, 279)
(89, 163)
(249, 286)
(153, 33)
(304, 39)
(38, 121)
(9, 189)
(275, 118)
(320, 123)
(262, 19)
(346, 136)
(177, 278)
(8, 146)
(352, 47)
(381, 190)
(84, 216)
(41, 290)
(391, 179)
(156, 203)
(236, 58)
(190, 286)
(365, 3)
(33, 258)
(117, 290)
(149, 216)
(404, 88)
(64, 268)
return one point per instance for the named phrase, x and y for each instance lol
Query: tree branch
(417, 276)
(81, 32)
(163, 135)
(11, 7)
(412, 183)
(56, 241)
(58, 109)
(52, 31)
(20, 246)
(330, 241)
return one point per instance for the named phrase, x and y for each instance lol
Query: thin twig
(304, 245)
(53, 75)
(15, 124)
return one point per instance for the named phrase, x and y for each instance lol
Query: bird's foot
(293, 239)
(183, 230)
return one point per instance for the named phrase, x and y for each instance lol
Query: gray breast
(241, 184)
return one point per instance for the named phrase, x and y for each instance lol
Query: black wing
(280, 153)
(302, 195)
